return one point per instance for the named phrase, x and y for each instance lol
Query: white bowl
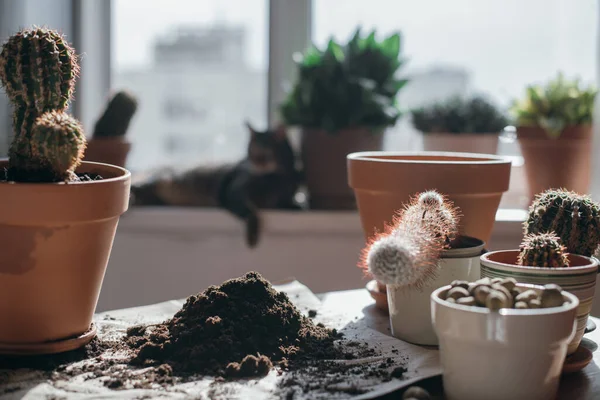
(507, 354)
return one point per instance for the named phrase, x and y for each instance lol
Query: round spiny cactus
(436, 213)
(543, 250)
(58, 142)
(574, 218)
(38, 69)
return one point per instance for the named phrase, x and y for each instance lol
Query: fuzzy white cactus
(408, 253)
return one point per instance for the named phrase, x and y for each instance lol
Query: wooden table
(583, 385)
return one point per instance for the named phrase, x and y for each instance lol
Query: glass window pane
(198, 69)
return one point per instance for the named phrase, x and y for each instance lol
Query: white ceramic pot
(410, 308)
(507, 354)
(579, 278)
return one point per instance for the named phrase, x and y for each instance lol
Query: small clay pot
(109, 150)
(579, 279)
(482, 143)
(564, 162)
(324, 160)
(56, 239)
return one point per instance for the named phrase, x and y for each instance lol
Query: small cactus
(408, 253)
(38, 70)
(543, 250)
(115, 119)
(574, 218)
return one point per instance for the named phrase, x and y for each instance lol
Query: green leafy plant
(38, 70)
(354, 85)
(459, 115)
(554, 106)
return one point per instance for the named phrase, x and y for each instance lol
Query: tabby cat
(265, 178)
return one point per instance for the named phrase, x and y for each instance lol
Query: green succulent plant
(38, 70)
(344, 86)
(556, 105)
(460, 115)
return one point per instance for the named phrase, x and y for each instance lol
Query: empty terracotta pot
(565, 162)
(56, 240)
(324, 159)
(482, 143)
(110, 150)
(384, 181)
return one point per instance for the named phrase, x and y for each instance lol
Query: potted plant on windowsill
(554, 131)
(469, 125)
(418, 253)
(344, 98)
(108, 143)
(562, 234)
(59, 215)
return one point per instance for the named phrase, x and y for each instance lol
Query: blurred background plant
(474, 114)
(345, 86)
(553, 106)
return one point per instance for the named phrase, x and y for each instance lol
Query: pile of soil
(238, 329)
(8, 175)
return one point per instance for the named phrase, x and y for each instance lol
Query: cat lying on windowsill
(266, 178)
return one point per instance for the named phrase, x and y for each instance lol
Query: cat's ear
(250, 129)
(280, 132)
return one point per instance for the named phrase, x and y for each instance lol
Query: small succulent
(408, 253)
(543, 250)
(556, 105)
(38, 70)
(460, 115)
(346, 86)
(117, 115)
(574, 218)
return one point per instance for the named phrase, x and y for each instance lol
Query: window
(465, 46)
(199, 68)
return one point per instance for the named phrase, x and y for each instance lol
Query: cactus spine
(574, 218)
(543, 250)
(38, 70)
(408, 253)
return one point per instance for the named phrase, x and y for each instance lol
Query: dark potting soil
(241, 329)
(220, 327)
(8, 175)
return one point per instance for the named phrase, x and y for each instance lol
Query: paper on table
(343, 310)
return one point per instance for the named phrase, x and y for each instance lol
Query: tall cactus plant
(38, 70)
(408, 254)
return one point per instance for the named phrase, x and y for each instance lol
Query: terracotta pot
(579, 279)
(56, 241)
(110, 150)
(324, 158)
(564, 162)
(482, 143)
(384, 181)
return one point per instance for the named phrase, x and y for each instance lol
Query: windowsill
(176, 251)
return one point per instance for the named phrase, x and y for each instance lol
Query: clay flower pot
(324, 159)
(482, 143)
(564, 162)
(579, 279)
(384, 181)
(410, 308)
(108, 150)
(502, 355)
(56, 240)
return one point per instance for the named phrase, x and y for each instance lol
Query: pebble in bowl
(500, 339)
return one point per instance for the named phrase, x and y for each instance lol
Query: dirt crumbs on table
(238, 329)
